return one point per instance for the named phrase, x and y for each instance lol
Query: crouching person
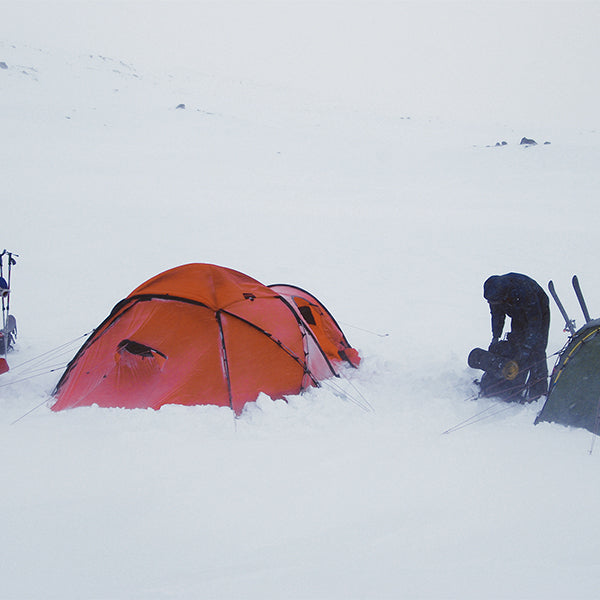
(525, 302)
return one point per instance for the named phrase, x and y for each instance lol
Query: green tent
(574, 392)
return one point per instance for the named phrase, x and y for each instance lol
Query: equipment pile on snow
(8, 334)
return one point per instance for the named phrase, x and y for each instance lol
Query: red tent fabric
(203, 334)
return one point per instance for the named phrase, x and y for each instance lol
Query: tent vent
(138, 349)
(306, 312)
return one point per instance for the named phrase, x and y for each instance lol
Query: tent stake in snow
(596, 427)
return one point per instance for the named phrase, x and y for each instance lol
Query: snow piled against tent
(392, 213)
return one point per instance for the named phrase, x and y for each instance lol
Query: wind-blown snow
(348, 148)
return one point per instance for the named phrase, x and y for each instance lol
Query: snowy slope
(348, 149)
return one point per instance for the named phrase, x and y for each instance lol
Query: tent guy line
(51, 354)
(481, 416)
(363, 329)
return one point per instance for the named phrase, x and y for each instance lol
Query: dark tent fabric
(574, 392)
(203, 334)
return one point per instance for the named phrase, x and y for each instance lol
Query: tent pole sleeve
(224, 357)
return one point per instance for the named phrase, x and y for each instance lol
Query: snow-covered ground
(348, 148)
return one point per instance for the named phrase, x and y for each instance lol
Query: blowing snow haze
(528, 61)
(347, 148)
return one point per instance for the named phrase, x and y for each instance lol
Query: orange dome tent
(203, 334)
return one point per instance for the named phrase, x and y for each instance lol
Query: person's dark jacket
(526, 303)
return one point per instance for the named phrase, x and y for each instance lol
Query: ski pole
(8, 281)
(569, 323)
(4, 308)
(581, 299)
(11, 262)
